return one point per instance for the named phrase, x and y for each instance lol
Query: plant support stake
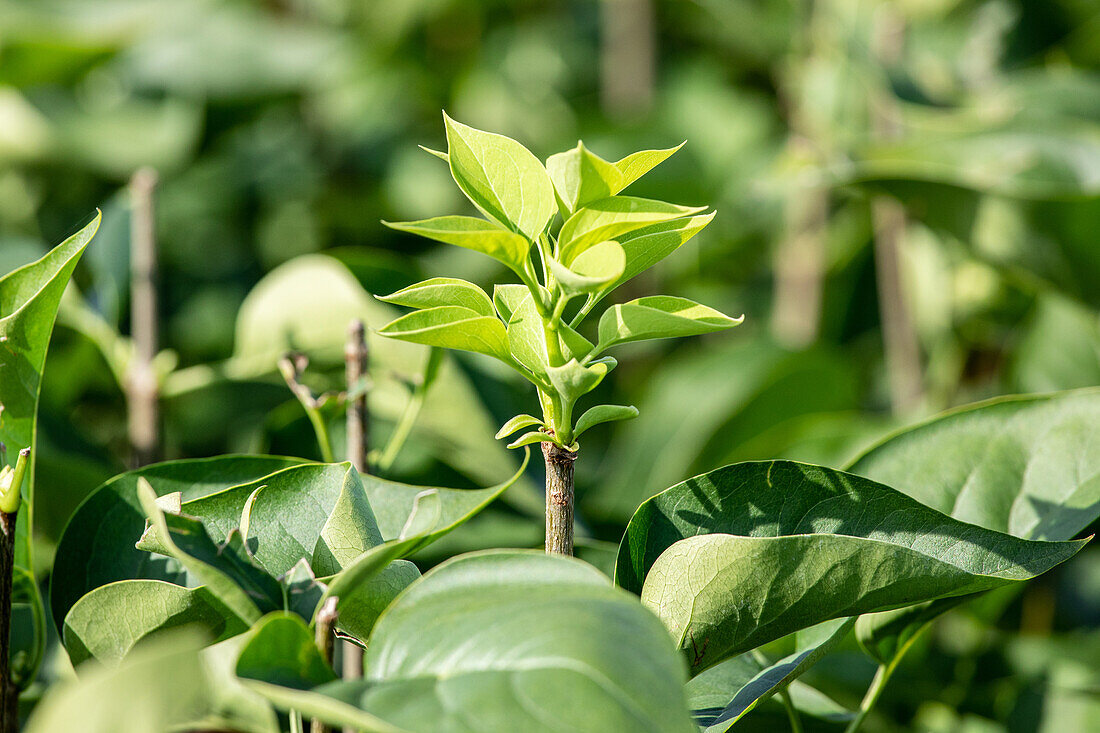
(11, 481)
(141, 378)
(356, 366)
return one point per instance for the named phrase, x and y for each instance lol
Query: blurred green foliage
(288, 128)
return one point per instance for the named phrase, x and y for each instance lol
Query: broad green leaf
(573, 381)
(241, 589)
(97, 546)
(452, 327)
(393, 502)
(318, 512)
(646, 247)
(517, 423)
(601, 414)
(476, 234)
(801, 545)
(362, 605)
(501, 178)
(109, 621)
(280, 650)
(1026, 465)
(614, 217)
(725, 693)
(592, 270)
(29, 299)
(657, 317)
(443, 291)
(580, 176)
(159, 688)
(557, 648)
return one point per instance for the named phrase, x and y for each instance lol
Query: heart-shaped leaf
(557, 648)
(97, 545)
(443, 291)
(452, 327)
(748, 553)
(472, 233)
(1022, 465)
(725, 693)
(501, 178)
(657, 317)
(280, 650)
(149, 607)
(613, 217)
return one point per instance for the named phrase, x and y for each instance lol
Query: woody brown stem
(9, 692)
(559, 498)
(356, 364)
(141, 380)
(324, 638)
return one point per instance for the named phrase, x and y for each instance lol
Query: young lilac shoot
(570, 238)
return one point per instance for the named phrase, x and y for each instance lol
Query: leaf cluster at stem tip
(570, 238)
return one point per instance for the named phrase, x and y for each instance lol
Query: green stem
(584, 311)
(412, 411)
(792, 712)
(324, 442)
(878, 684)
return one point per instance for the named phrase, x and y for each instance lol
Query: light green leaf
(581, 177)
(657, 317)
(452, 327)
(558, 649)
(501, 178)
(159, 688)
(614, 217)
(725, 693)
(471, 233)
(601, 414)
(280, 650)
(443, 291)
(517, 423)
(636, 165)
(508, 297)
(527, 337)
(801, 545)
(29, 299)
(646, 247)
(437, 153)
(590, 272)
(537, 436)
(94, 628)
(97, 546)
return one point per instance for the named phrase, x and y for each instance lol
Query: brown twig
(326, 620)
(559, 498)
(356, 360)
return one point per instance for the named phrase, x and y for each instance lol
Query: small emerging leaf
(657, 317)
(517, 423)
(452, 327)
(572, 380)
(601, 414)
(533, 437)
(580, 176)
(594, 269)
(440, 291)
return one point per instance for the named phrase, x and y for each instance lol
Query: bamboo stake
(356, 361)
(141, 379)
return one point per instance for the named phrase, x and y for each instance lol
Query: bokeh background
(908, 200)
